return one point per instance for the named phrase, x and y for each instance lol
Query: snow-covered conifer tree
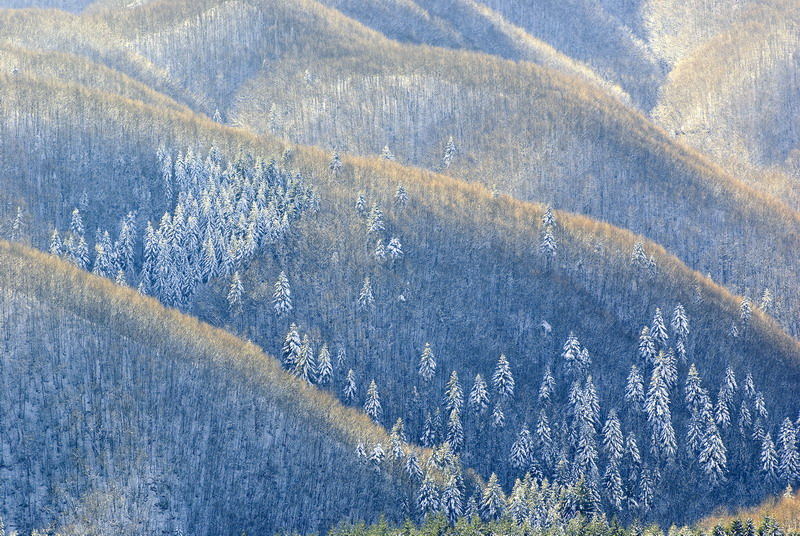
(235, 293)
(366, 299)
(394, 249)
(647, 346)
(769, 457)
(324, 366)
(350, 388)
(400, 197)
(634, 389)
(492, 499)
(372, 405)
(291, 346)
(479, 396)
(427, 363)
(713, 457)
(522, 450)
(449, 152)
(282, 295)
(503, 380)
(613, 441)
(455, 430)
(428, 497)
(452, 500)
(658, 330)
(454, 395)
(788, 455)
(305, 365)
(547, 387)
(680, 323)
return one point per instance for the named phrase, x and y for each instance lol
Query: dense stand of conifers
(664, 436)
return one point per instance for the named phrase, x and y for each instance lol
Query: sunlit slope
(784, 509)
(60, 66)
(465, 24)
(56, 31)
(124, 412)
(737, 98)
(588, 32)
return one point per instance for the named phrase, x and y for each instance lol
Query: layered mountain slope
(504, 292)
(585, 152)
(465, 24)
(121, 413)
(736, 98)
(586, 31)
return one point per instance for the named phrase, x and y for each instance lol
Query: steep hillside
(466, 24)
(506, 295)
(121, 413)
(736, 98)
(586, 31)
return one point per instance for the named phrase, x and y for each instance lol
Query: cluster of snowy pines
(224, 213)
(582, 463)
(569, 460)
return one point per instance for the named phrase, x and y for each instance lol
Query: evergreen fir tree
(291, 347)
(613, 442)
(324, 366)
(400, 197)
(454, 396)
(427, 497)
(455, 431)
(452, 500)
(503, 380)
(634, 389)
(366, 299)
(56, 247)
(372, 405)
(235, 294)
(522, 450)
(680, 323)
(769, 457)
(547, 387)
(479, 396)
(713, 458)
(658, 330)
(492, 500)
(305, 366)
(449, 153)
(394, 249)
(350, 388)
(498, 416)
(282, 295)
(427, 363)
(647, 346)
(788, 455)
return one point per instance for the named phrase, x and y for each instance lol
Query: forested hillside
(354, 252)
(103, 389)
(502, 290)
(592, 160)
